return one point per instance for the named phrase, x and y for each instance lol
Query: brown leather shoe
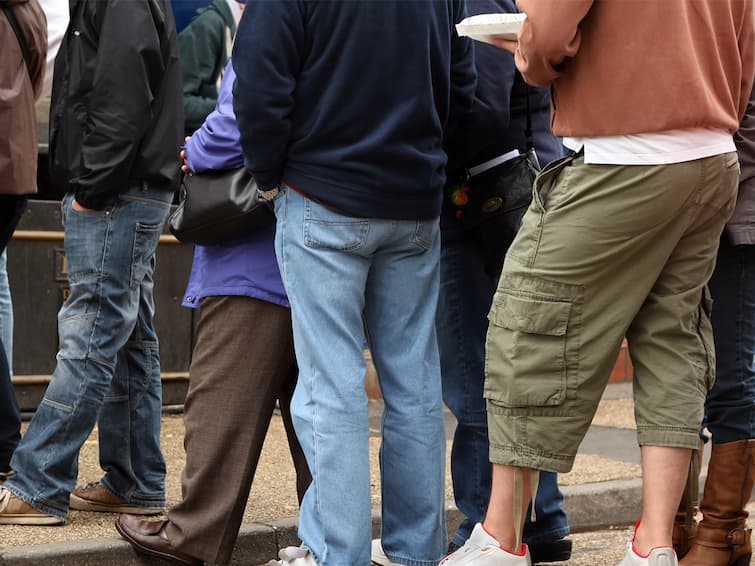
(149, 537)
(94, 497)
(14, 511)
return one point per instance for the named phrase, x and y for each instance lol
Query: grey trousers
(242, 362)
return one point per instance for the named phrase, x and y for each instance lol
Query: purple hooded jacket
(246, 266)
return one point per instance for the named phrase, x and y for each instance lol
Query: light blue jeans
(108, 370)
(343, 275)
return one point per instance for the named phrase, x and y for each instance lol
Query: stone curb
(589, 507)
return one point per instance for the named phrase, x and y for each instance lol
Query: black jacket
(116, 116)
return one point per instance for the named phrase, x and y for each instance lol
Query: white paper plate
(486, 27)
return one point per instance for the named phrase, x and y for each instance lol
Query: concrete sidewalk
(602, 491)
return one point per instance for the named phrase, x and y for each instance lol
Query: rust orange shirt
(635, 66)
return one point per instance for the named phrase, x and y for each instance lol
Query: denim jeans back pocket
(425, 233)
(87, 238)
(528, 349)
(327, 229)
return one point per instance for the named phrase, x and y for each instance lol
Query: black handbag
(491, 204)
(217, 206)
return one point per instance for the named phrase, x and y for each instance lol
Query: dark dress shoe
(553, 551)
(149, 537)
(540, 552)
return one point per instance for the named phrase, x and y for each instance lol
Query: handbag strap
(19, 35)
(528, 140)
(528, 127)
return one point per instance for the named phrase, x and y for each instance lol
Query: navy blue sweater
(347, 101)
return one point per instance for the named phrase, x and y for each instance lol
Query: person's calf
(510, 497)
(664, 476)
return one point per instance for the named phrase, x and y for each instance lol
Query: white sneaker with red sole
(481, 549)
(661, 556)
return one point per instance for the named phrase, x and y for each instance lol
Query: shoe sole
(151, 552)
(80, 504)
(28, 519)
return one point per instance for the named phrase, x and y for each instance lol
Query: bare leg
(664, 475)
(499, 520)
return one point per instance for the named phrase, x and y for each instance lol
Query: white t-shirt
(57, 22)
(657, 148)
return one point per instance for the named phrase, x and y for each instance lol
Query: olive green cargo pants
(604, 252)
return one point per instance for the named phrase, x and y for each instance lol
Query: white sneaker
(481, 549)
(294, 556)
(662, 556)
(379, 557)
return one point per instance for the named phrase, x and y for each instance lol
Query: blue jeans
(346, 276)
(10, 421)
(10, 424)
(6, 311)
(730, 406)
(466, 292)
(12, 208)
(108, 370)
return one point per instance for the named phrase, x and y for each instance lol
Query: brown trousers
(242, 362)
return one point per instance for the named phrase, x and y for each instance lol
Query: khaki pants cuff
(525, 457)
(670, 437)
